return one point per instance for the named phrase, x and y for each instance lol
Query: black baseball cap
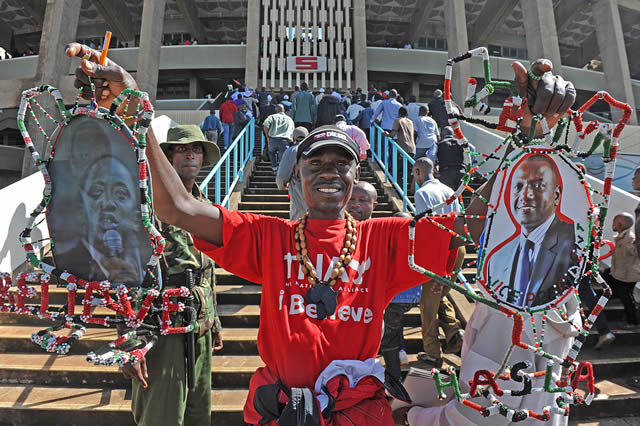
(328, 136)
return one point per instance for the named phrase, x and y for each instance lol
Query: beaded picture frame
(582, 218)
(108, 174)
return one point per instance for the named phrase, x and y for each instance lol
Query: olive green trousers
(167, 401)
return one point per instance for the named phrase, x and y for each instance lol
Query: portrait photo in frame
(535, 242)
(94, 216)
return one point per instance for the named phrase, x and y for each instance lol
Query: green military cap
(189, 133)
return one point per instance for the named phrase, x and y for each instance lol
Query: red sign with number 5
(306, 63)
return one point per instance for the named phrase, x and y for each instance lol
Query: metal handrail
(242, 150)
(381, 147)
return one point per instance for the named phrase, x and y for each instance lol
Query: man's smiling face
(327, 177)
(535, 192)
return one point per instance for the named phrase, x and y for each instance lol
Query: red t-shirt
(294, 345)
(226, 111)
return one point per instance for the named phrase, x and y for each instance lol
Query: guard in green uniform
(160, 392)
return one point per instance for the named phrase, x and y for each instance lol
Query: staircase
(45, 389)
(262, 195)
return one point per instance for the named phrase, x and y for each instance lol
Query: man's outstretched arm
(171, 201)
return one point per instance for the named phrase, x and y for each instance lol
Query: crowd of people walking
(419, 129)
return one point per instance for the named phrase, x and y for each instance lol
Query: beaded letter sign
(542, 236)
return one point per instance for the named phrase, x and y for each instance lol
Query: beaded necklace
(323, 295)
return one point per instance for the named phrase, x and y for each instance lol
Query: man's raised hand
(550, 96)
(109, 79)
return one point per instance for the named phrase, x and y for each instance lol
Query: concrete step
(229, 288)
(241, 315)
(253, 198)
(623, 337)
(265, 191)
(613, 361)
(264, 167)
(224, 277)
(630, 339)
(239, 294)
(17, 338)
(265, 205)
(260, 174)
(244, 316)
(43, 369)
(606, 421)
(614, 397)
(44, 405)
(267, 185)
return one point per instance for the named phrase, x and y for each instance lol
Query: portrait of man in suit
(95, 216)
(530, 268)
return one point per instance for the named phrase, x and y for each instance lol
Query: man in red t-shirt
(227, 109)
(312, 364)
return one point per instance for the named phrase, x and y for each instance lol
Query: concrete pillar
(150, 43)
(5, 38)
(540, 30)
(59, 28)
(606, 17)
(360, 45)
(415, 87)
(253, 44)
(457, 44)
(194, 87)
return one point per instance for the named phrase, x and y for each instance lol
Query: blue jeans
(228, 134)
(277, 147)
(430, 153)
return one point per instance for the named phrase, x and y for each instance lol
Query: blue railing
(387, 153)
(234, 160)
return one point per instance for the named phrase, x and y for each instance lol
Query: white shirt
(433, 192)
(427, 130)
(374, 104)
(413, 111)
(353, 111)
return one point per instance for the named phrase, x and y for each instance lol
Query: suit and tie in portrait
(531, 268)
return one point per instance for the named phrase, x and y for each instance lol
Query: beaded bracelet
(532, 76)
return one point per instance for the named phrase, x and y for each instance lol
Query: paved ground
(611, 421)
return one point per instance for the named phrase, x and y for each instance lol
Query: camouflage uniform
(167, 399)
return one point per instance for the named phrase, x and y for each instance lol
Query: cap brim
(330, 142)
